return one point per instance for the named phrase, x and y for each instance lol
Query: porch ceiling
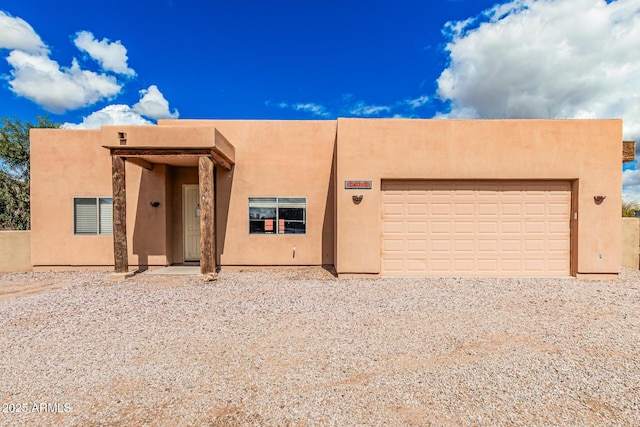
(170, 160)
(183, 156)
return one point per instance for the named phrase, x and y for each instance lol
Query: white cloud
(315, 109)
(546, 59)
(417, 102)
(362, 109)
(117, 114)
(154, 105)
(42, 80)
(16, 33)
(112, 56)
(350, 106)
(631, 185)
(631, 177)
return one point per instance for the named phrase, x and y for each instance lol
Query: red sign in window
(357, 185)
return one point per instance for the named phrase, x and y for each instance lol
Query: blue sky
(87, 64)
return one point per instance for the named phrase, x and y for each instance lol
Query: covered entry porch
(202, 159)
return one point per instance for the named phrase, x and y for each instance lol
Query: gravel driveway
(301, 348)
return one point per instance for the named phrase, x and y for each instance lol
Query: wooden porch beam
(132, 154)
(120, 257)
(207, 218)
(187, 152)
(140, 162)
(628, 151)
(220, 160)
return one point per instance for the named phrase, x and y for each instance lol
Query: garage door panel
(490, 209)
(532, 266)
(441, 227)
(417, 227)
(511, 227)
(463, 245)
(511, 245)
(559, 266)
(488, 265)
(534, 227)
(438, 245)
(417, 245)
(487, 227)
(464, 227)
(440, 209)
(488, 245)
(476, 228)
(393, 227)
(394, 209)
(393, 266)
(511, 266)
(464, 266)
(416, 209)
(463, 209)
(534, 245)
(514, 209)
(559, 209)
(535, 209)
(558, 245)
(416, 265)
(558, 227)
(390, 246)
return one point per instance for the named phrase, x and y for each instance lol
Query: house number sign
(357, 185)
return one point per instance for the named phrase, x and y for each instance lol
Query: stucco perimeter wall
(631, 243)
(72, 163)
(277, 159)
(584, 150)
(15, 251)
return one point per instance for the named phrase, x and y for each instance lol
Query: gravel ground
(301, 348)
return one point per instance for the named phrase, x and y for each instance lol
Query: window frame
(98, 211)
(276, 231)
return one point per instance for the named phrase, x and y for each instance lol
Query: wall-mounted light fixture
(599, 199)
(155, 204)
(357, 198)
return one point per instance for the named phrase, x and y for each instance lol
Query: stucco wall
(15, 251)
(273, 158)
(279, 159)
(631, 242)
(312, 159)
(584, 151)
(72, 163)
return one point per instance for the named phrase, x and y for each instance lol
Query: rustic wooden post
(207, 217)
(121, 260)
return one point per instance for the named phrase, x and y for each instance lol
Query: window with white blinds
(92, 215)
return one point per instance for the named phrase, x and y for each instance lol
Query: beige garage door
(469, 228)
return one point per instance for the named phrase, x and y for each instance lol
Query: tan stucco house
(390, 197)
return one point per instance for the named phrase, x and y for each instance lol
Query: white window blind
(85, 216)
(292, 202)
(106, 215)
(92, 215)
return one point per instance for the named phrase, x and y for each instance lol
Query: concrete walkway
(178, 270)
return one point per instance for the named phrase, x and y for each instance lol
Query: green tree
(14, 171)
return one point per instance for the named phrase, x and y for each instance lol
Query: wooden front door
(191, 222)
